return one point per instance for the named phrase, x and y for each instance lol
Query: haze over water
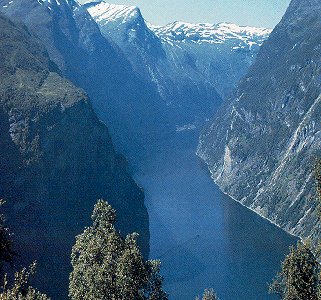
(204, 238)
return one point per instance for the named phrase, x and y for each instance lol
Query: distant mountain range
(137, 73)
(262, 146)
(190, 66)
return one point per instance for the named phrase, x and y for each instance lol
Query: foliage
(130, 271)
(299, 278)
(209, 294)
(106, 266)
(21, 290)
(153, 288)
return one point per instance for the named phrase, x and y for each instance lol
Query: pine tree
(94, 257)
(299, 277)
(131, 271)
(108, 267)
(153, 288)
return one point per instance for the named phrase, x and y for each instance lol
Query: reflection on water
(204, 238)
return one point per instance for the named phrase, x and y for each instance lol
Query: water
(204, 238)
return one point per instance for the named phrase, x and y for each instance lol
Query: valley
(203, 237)
(163, 122)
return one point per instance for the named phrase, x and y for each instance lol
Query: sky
(260, 13)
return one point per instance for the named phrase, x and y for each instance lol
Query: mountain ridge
(190, 78)
(86, 57)
(261, 146)
(210, 33)
(57, 159)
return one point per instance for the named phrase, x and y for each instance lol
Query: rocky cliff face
(262, 145)
(121, 99)
(220, 53)
(56, 160)
(190, 66)
(156, 80)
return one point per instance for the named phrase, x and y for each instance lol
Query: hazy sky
(264, 13)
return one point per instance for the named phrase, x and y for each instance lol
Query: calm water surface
(204, 238)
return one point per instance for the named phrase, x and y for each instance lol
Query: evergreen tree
(131, 271)
(108, 267)
(153, 289)
(94, 257)
(299, 278)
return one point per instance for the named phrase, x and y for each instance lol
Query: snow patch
(104, 12)
(211, 33)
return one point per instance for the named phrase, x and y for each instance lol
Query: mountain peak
(104, 12)
(298, 9)
(210, 33)
(305, 3)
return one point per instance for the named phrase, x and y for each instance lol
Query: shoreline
(234, 199)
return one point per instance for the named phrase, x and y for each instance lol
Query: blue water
(204, 238)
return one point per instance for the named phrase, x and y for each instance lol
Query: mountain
(142, 85)
(56, 160)
(121, 99)
(191, 66)
(222, 52)
(262, 145)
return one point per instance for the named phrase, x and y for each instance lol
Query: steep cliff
(190, 66)
(262, 145)
(56, 160)
(120, 98)
(156, 80)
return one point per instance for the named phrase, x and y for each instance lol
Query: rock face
(220, 53)
(56, 160)
(123, 101)
(190, 66)
(261, 147)
(156, 80)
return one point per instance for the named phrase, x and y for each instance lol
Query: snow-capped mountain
(182, 58)
(124, 25)
(211, 33)
(104, 12)
(262, 147)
